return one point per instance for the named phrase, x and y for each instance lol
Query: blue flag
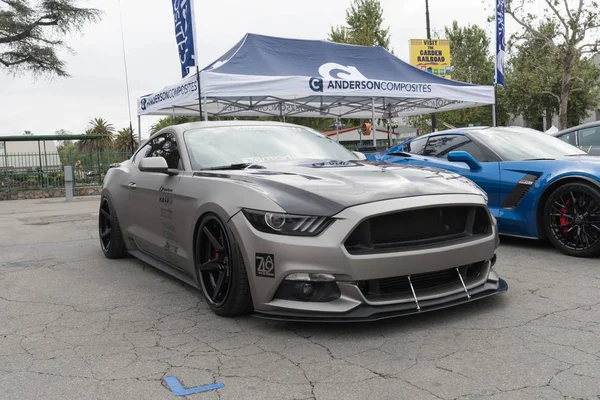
(184, 34)
(500, 42)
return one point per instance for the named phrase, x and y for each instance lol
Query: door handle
(132, 186)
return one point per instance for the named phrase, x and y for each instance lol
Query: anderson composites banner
(183, 14)
(184, 91)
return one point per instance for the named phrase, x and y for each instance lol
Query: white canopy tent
(270, 76)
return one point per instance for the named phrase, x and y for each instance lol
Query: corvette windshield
(523, 144)
(239, 144)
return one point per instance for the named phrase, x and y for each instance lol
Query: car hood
(326, 188)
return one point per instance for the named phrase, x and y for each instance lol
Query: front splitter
(366, 312)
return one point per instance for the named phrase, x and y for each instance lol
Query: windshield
(525, 144)
(226, 145)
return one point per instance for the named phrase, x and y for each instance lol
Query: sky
(97, 86)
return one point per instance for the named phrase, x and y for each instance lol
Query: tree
(473, 63)
(30, 34)
(62, 132)
(534, 84)
(123, 140)
(98, 126)
(364, 19)
(574, 27)
(27, 133)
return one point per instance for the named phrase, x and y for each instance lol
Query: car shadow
(471, 311)
(526, 243)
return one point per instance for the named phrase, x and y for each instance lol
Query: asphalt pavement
(74, 325)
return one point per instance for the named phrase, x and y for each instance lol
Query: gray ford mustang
(279, 220)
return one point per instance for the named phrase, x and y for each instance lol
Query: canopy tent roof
(270, 76)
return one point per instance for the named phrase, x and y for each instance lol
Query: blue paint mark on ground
(179, 390)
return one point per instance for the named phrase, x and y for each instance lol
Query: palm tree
(98, 126)
(123, 140)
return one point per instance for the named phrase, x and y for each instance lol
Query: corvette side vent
(519, 191)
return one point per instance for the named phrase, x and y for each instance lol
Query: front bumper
(326, 254)
(367, 312)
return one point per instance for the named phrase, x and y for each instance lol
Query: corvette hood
(327, 188)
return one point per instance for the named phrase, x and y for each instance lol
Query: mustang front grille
(400, 285)
(418, 228)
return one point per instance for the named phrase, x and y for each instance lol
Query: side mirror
(156, 164)
(463, 156)
(360, 155)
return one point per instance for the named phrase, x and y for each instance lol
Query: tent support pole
(373, 124)
(494, 108)
(199, 90)
(205, 110)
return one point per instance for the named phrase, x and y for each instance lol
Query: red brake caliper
(216, 252)
(564, 220)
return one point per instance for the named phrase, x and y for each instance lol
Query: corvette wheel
(572, 219)
(221, 270)
(109, 230)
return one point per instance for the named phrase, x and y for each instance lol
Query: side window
(589, 137)
(166, 146)
(565, 138)
(142, 153)
(415, 147)
(441, 146)
(468, 147)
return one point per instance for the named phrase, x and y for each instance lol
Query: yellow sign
(431, 55)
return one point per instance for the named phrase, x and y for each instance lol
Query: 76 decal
(265, 265)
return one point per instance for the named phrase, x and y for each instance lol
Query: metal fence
(45, 170)
(35, 171)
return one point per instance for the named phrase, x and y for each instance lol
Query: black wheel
(111, 238)
(572, 219)
(221, 270)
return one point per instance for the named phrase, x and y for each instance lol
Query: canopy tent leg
(205, 110)
(139, 131)
(373, 123)
(494, 122)
(280, 112)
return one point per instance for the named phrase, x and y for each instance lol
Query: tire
(571, 219)
(236, 300)
(109, 230)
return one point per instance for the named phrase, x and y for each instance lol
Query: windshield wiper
(539, 159)
(226, 167)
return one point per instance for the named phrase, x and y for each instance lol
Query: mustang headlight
(287, 224)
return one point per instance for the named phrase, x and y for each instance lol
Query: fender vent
(519, 191)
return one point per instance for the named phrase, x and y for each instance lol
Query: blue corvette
(537, 185)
